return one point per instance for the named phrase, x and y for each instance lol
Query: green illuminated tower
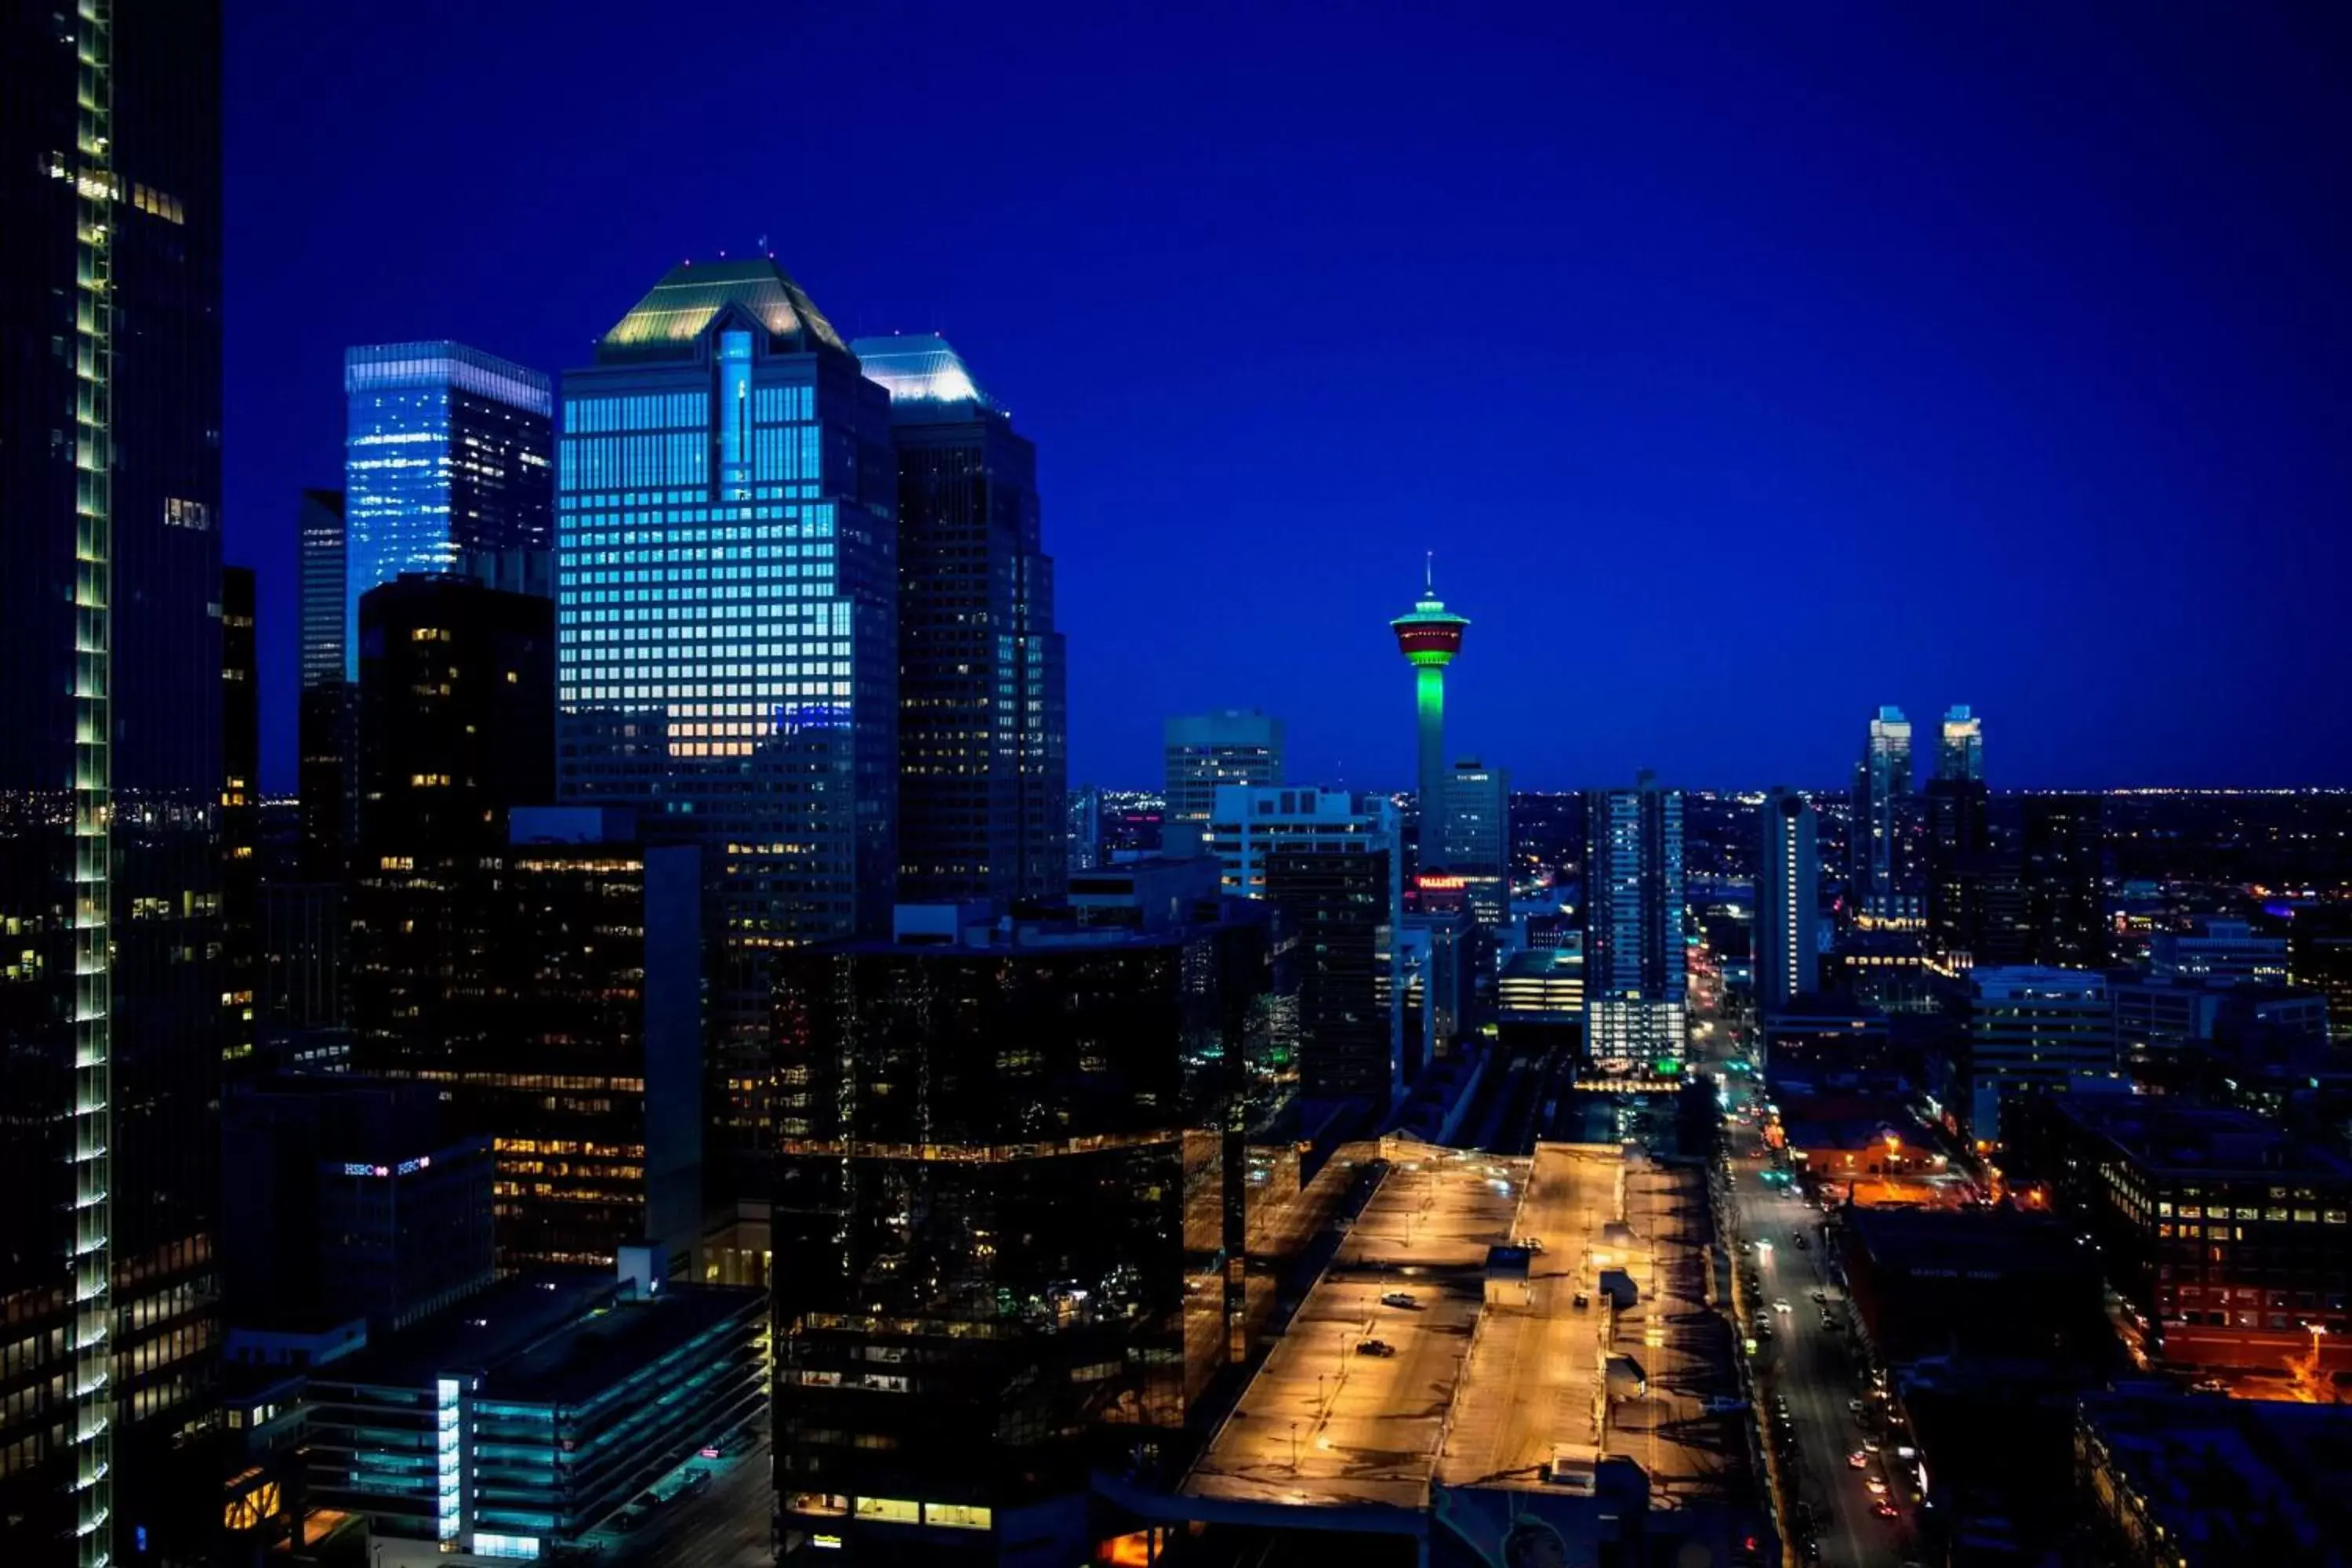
(1429, 637)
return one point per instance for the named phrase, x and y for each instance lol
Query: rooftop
(1492, 1371)
(2168, 1134)
(667, 323)
(555, 1338)
(920, 367)
(2229, 1482)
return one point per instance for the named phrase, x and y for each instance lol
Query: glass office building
(110, 770)
(1010, 1181)
(445, 457)
(726, 617)
(983, 738)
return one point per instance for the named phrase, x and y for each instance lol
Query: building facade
(456, 729)
(589, 984)
(1335, 869)
(110, 770)
(1635, 977)
(1788, 899)
(1204, 753)
(1478, 839)
(983, 734)
(1882, 873)
(2229, 1238)
(1010, 1173)
(2032, 1028)
(445, 455)
(240, 815)
(726, 617)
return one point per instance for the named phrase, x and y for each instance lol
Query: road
(1812, 1366)
(726, 1527)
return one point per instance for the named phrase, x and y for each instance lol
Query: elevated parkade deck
(1484, 1386)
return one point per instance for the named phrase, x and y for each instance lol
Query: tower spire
(1428, 572)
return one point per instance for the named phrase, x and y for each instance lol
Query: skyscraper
(2061, 851)
(321, 589)
(110, 767)
(1635, 980)
(1336, 871)
(1476, 842)
(1788, 898)
(1882, 875)
(982, 732)
(327, 705)
(456, 729)
(1205, 751)
(727, 617)
(445, 455)
(240, 808)
(1007, 1242)
(1960, 748)
(1958, 849)
(1429, 636)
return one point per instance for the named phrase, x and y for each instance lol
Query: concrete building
(2220, 952)
(1334, 870)
(2032, 1028)
(1204, 752)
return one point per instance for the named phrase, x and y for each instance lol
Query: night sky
(1745, 370)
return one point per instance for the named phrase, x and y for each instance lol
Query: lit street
(1813, 1367)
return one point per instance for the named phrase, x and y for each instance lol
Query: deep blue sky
(1746, 369)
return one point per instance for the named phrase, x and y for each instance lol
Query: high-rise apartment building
(982, 732)
(110, 771)
(1635, 978)
(727, 555)
(1010, 1181)
(1788, 899)
(1086, 828)
(1335, 869)
(1204, 752)
(444, 458)
(240, 815)
(1476, 842)
(1882, 846)
(1960, 746)
(456, 729)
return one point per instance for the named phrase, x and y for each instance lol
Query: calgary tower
(1429, 636)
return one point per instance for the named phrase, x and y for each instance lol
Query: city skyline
(1724, 340)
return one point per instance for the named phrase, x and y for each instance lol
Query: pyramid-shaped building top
(667, 323)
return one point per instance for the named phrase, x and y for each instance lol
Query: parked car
(1399, 1299)
(1375, 1347)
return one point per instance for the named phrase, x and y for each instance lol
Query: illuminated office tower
(1635, 978)
(727, 618)
(1429, 636)
(110, 773)
(1476, 845)
(444, 467)
(1788, 898)
(1885, 825)
(983, 738)
(1205, 751)
(1960, 748)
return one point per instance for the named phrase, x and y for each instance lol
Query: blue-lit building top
(982, 732)
(445, 457)
(725, 610)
